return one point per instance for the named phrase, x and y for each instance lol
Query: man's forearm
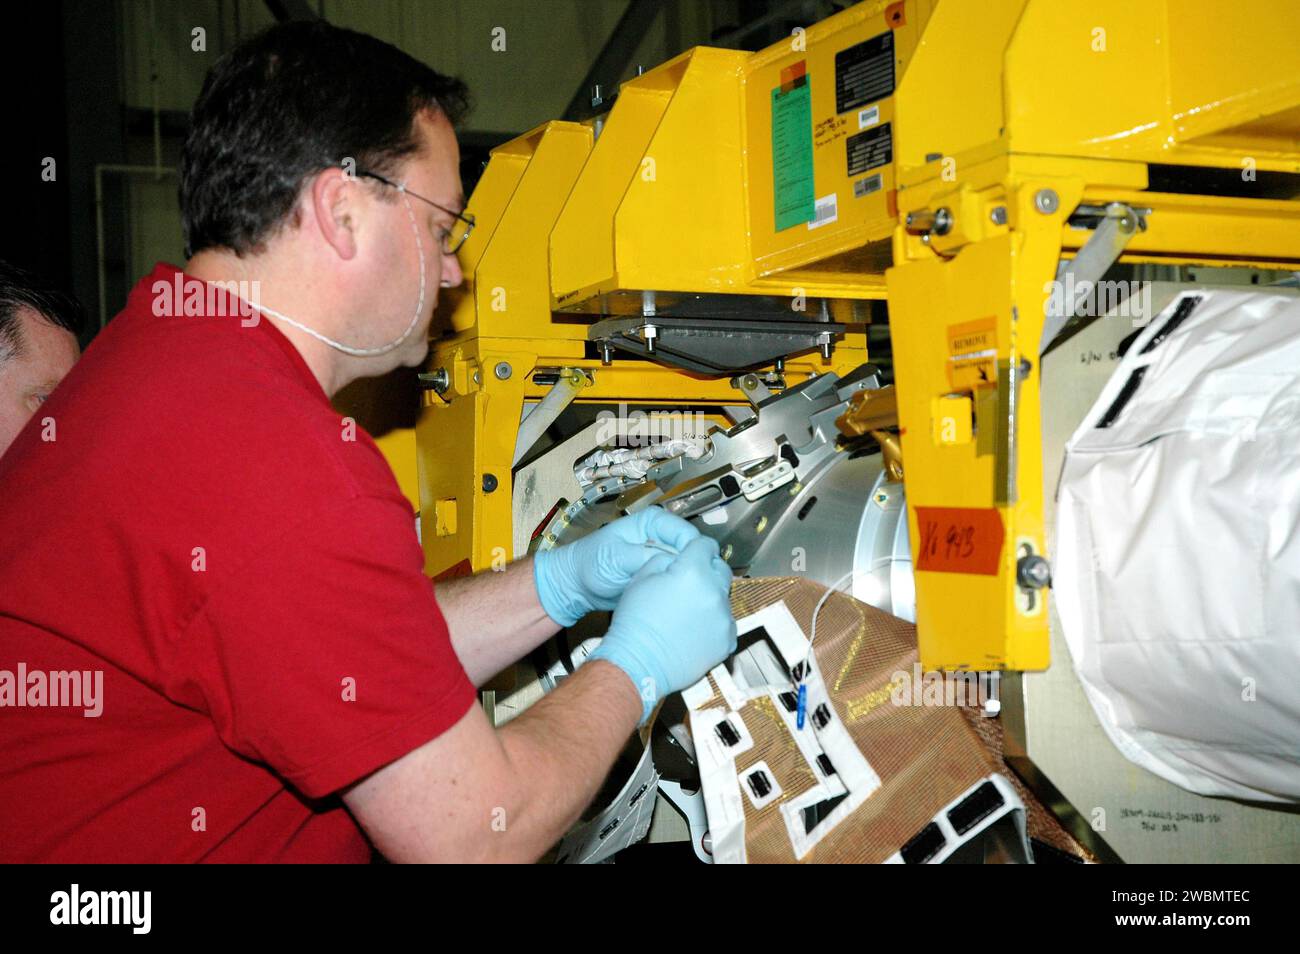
(495, 618)
(562, 749)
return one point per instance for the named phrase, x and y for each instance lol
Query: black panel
(927, 843)
(864, 73)
(975, 807)
(813, 814)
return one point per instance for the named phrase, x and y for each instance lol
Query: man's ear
(334, 199)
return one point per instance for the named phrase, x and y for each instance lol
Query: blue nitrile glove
(674, 622)
(592, 573)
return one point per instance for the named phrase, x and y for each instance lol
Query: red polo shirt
(188, 521)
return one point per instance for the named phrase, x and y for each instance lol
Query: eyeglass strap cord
(366, 352)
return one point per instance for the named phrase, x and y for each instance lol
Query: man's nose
(451, 273)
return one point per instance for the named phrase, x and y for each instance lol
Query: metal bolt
(1033, 572)
(489, 483)
(923, 222)
(881, 498)
(1046, 201)
(726, 552)
(596, 98)
(998, 216)
(478, 377)
(502, 370)
(760, 525)
(825, 344)
(649, 333)
(437, 380)
(919, 222)
(606, 353)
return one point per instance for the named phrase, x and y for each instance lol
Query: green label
(792, 155)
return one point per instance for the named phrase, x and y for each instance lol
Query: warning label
(870, 150)
(973, 354)
(864, 73)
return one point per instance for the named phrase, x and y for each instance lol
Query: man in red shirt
(216, 639)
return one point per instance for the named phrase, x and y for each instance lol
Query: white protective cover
(1177, 576)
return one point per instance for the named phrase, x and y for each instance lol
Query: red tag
(959, 539)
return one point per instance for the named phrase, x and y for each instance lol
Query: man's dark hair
(286, 104)
(19, 287)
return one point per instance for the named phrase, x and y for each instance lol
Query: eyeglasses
(453, 238)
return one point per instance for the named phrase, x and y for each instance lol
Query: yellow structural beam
(791, 173)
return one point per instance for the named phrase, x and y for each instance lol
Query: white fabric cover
(1177, 573)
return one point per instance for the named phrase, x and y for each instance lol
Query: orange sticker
(796, 74)
(973, 354)
(959, 539)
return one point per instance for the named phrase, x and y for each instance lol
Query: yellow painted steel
(1004, 100)
(848, 256)
(994, 103)
(502, 320)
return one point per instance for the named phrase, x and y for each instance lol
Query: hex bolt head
(998, 215)
(1033, 572)
(1046, 201)
(502, 370)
